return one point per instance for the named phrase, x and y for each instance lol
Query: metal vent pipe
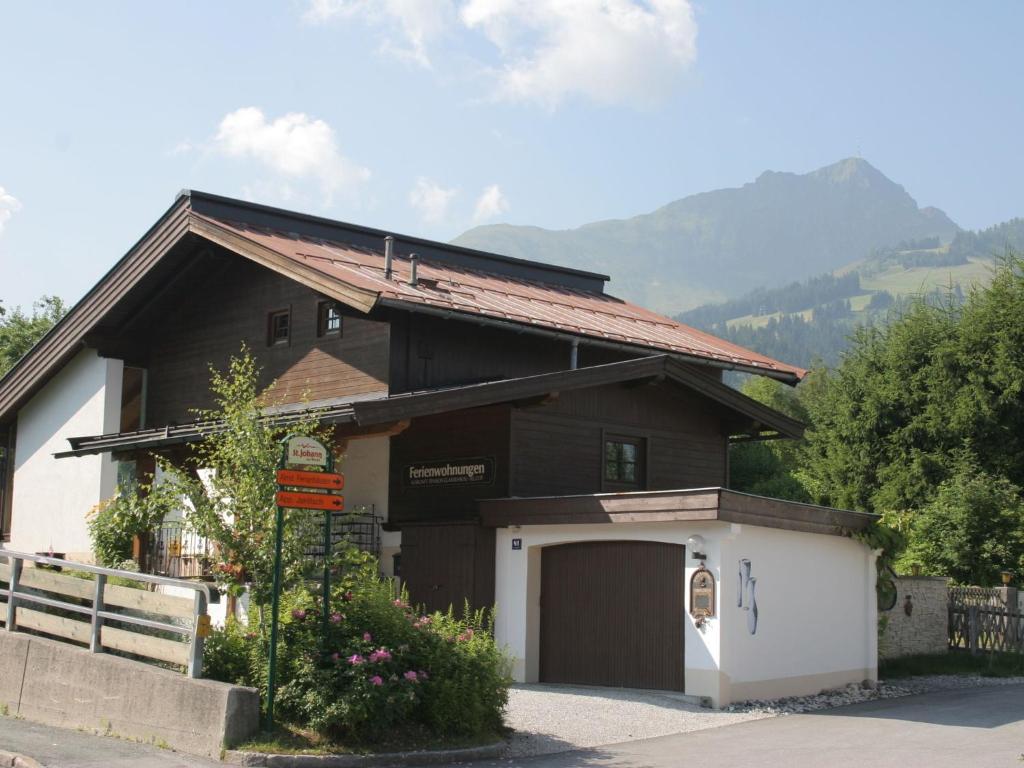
(414, 262)
(389, 256)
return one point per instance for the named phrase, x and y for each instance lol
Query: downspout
(574, 355)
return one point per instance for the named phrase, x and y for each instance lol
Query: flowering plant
(382, 666)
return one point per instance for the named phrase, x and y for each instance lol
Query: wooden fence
(985, 620)
(121, 618)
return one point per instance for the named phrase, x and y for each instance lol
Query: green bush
(133, 511)
(228, 654)
(383, 669)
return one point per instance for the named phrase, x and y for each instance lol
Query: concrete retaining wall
(59, 684)
(926, 629)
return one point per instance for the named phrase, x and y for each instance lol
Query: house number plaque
(702, 594)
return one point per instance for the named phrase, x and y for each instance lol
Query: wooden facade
(193, 291)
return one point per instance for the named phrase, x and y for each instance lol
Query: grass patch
(953, 663)
(291, 740)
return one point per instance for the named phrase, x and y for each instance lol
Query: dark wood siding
(430, 352)
(209, 325)
(612, 614)
(448, 565)
(557, 447)
(477, 432)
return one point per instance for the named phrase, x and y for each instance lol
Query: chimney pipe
(414, 261)
(389, 255)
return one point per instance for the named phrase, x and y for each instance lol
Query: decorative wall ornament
(746, 594)
(702, 595)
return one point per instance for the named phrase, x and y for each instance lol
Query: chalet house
(524, 438)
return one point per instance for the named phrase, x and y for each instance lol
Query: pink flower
(397, 603)
(298, 613)
(381, 654)
(377, 680)
(410, 676)
(337, 618)
(423, 675)
(335, 656)
(367, 637)
(355, 659)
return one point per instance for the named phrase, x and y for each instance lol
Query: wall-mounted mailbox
(702, 594)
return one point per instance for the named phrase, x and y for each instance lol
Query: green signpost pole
(275, 609)
(319, 485)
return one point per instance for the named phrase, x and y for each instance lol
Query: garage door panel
(612, 614)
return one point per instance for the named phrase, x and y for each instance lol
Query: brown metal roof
(475, 292)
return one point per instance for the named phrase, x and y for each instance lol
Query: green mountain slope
(808, 321)
(721, 244)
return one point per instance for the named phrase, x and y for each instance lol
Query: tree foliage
(19, 332)
(230, 483)
(912, 405)
(769, 468)
(971, 530)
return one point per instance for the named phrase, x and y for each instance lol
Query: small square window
(624, 462)
(279, 328)
(328, 319)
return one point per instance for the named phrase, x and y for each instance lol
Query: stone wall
(926, 628)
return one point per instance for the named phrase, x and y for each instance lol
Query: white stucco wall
(53, 496)
(815, 593)
(365, 466)
(816, 614)
(517, 591)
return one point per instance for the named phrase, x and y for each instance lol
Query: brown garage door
(612, 614)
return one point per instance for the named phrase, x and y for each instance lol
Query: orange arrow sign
(328, 480)
(310, 500)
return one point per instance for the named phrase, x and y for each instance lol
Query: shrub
(383, 667)
(133, 511)
(228, 654)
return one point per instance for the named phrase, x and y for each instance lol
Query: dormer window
(279, 328)
(328, 319)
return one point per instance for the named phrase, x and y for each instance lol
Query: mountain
(720, 244)
(810, 321)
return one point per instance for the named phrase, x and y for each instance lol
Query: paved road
(974, 728)
(61, 748)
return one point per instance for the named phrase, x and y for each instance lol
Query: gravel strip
(549, 719)
(853, 694)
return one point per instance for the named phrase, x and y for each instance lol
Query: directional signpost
(305, 480)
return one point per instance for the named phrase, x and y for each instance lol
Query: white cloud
(610, 51)
(411, 25)
(430, 200)
(9, 205)
(295, 147)
(490, 204)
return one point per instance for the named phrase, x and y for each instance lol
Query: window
(279, 328)
(624, 462)
(328, 319)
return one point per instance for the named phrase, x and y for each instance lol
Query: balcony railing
(177, 552)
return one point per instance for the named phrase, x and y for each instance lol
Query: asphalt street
(973, 728)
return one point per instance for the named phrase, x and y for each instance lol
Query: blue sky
(430, 117)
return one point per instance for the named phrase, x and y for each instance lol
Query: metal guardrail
(95, 633)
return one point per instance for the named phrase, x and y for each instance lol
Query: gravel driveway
(554, 718)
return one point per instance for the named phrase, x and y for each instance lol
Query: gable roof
(756, 418)
(346, 262)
